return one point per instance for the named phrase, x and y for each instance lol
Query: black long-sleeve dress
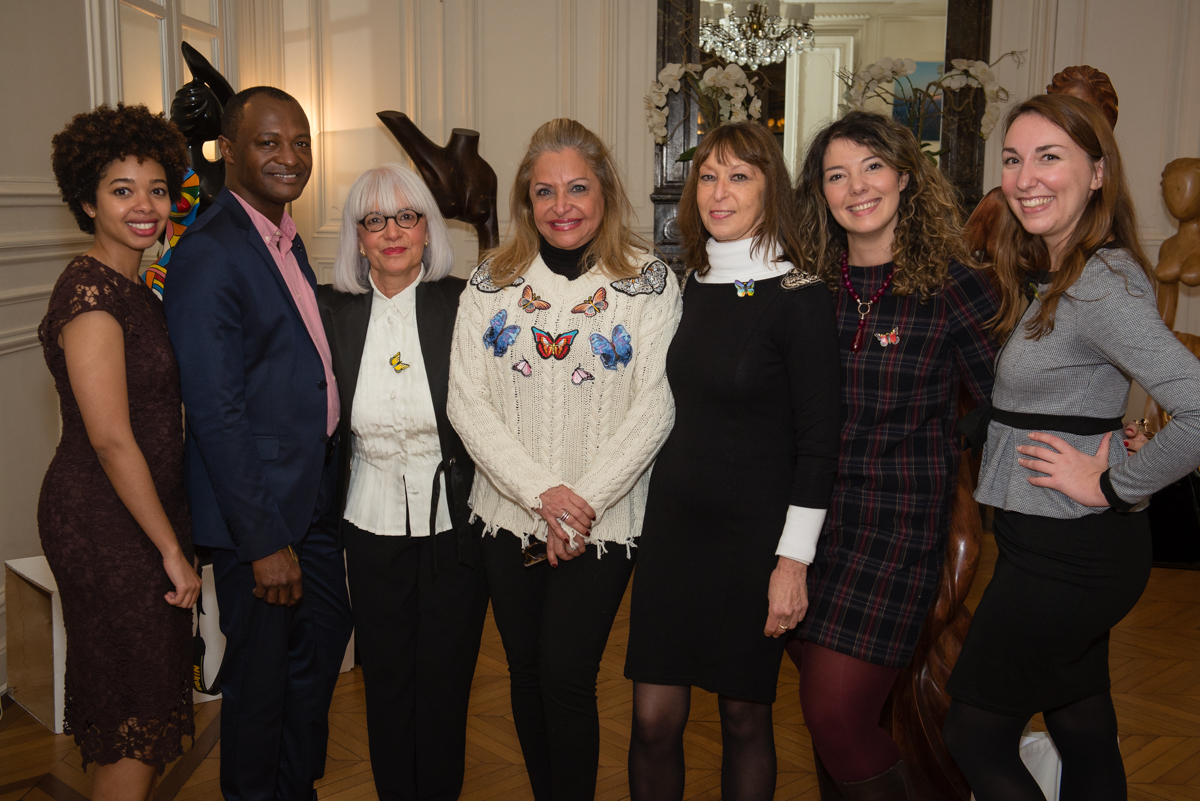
(756, 383)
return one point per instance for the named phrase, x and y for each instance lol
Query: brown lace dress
(129, 655)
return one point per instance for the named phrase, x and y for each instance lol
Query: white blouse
(729, 261)
(396, 449)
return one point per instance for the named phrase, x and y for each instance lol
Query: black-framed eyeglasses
(405, 218)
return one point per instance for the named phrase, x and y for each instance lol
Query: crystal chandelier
(756, 33)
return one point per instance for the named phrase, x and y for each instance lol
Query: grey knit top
(1106, 331)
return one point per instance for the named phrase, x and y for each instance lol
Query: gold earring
(362, 252)
(426, 243)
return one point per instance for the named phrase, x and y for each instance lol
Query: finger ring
(783, 625)
(564, 517)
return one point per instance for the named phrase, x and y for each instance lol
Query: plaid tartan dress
(877, 563)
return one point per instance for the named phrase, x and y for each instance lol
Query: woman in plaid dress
(912, 321)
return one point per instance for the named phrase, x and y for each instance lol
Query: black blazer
(346, 318)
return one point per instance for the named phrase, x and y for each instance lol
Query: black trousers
(554, 623)
(418, 640)
(281, 664)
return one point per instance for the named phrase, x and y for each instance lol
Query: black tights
(656, 769)
(985, 746)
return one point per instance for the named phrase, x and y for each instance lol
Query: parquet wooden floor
(1156, 682)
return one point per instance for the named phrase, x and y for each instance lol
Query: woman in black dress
(113, 516)
(739, 492)
(883, 231)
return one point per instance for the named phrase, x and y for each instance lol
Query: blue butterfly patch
(497, 337)
(612, 352)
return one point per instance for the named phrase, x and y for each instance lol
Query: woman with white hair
(418, 593)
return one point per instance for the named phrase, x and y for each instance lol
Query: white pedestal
(37, 640)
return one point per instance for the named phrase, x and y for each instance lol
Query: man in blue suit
(261, 408)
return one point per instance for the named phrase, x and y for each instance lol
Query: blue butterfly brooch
(746, 289)
(498, 337)
(612, 352)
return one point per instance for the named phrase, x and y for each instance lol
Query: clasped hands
(561, 507)
(1068, 470)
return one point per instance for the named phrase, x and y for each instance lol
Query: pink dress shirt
(279, 242)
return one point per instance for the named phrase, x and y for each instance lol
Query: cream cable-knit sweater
(533, 421)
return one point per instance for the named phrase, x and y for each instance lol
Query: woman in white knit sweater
(558, 390)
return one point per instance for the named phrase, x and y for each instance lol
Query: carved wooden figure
(1179, 256)
(462, 183)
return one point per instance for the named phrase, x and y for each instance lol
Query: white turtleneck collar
(729, 261)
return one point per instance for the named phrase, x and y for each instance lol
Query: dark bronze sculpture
(196, 111)
(462, 183)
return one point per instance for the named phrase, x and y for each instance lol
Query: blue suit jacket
(253, 386)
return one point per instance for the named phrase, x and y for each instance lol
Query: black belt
(1066, 423)
(973, 426)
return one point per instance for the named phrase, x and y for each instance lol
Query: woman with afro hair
(112, 515)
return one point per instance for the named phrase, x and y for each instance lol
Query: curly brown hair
(929, 228)
(95, 139)
(755, 145)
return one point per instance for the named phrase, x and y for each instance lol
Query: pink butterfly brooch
(890, 338)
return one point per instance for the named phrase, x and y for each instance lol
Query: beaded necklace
(864, 306)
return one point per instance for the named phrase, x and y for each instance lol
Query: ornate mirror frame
(968, 35)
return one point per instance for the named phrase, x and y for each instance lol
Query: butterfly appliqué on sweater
(579, 375)
(498, 336)
(613, 352)
(532, 303)
(523, 367)
(482, 279)
(593, 305)
(557, 346)
(652, 280)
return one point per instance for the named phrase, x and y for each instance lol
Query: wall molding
(30, 192)
(50, 246)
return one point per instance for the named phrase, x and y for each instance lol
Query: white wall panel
(500, 68)
(44, 58)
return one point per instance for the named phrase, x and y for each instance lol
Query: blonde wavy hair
(615, 247)
(929, 229)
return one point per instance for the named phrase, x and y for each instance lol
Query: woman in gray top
(1074, 542)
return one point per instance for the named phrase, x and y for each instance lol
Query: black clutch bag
(1175, 523)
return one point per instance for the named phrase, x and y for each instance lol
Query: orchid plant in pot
(722, 94)
(890, 80)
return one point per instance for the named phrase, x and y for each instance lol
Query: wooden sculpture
(1179, 256)
(196, 112)
(462, 183)
(1086, 83)
(919, 703)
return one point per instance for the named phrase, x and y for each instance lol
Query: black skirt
(1039, 638)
